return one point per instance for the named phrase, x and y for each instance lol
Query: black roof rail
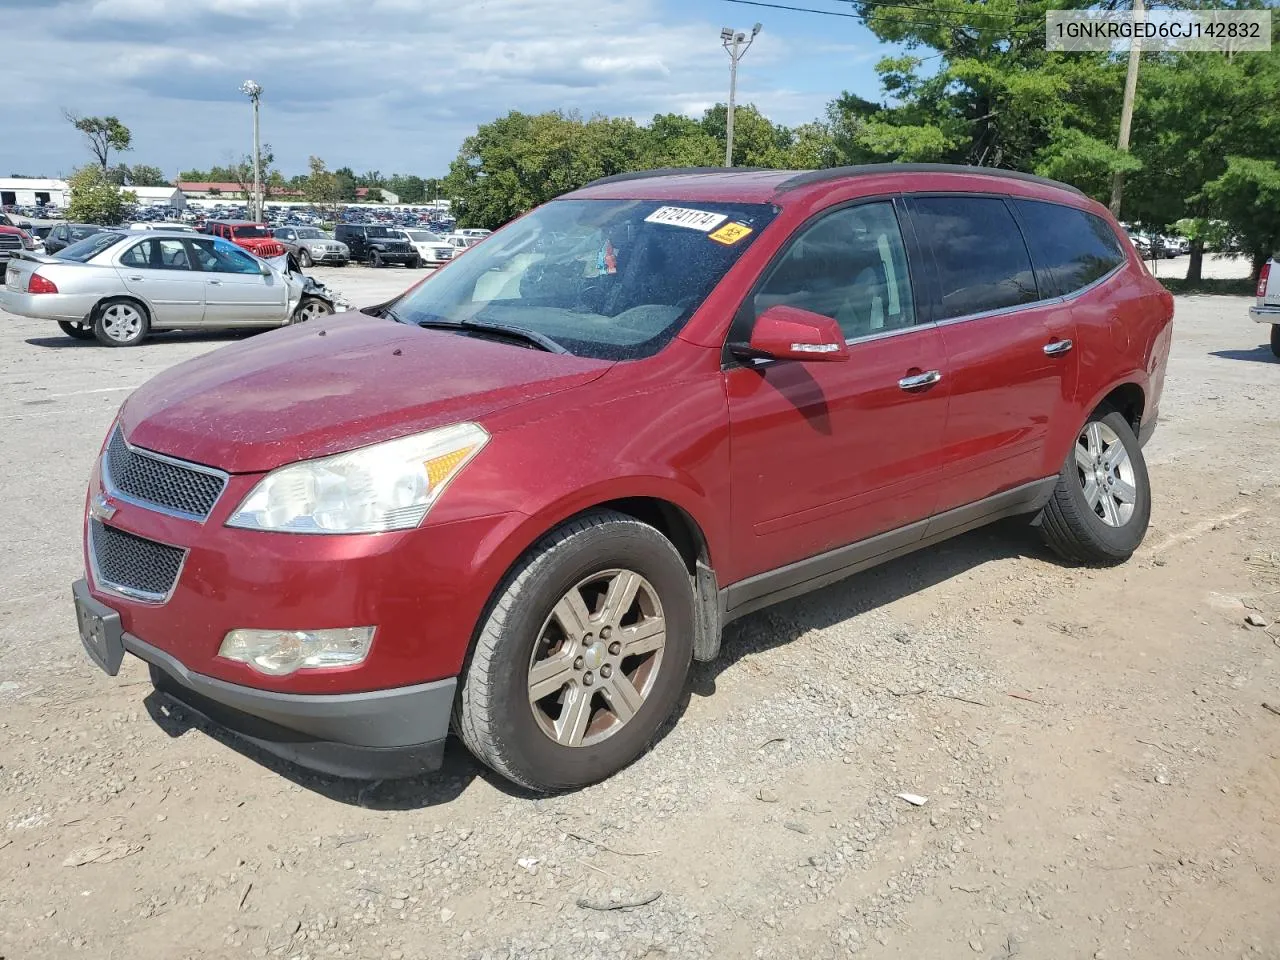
(867, 169)
(669, 172)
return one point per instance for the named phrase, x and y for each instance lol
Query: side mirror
(264, 270)
(24, 225)
(790, 333)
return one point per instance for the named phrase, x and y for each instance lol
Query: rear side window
(1072, 248)
(982, 262)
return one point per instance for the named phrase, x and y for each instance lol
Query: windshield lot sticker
(684, 217)
(731, 233)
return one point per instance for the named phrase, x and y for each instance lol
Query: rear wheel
(1101, 505)
(79, 329)
(583, 657)
(121, 323)
(1275, 339)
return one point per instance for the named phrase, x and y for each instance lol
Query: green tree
(321, 188)
(346, 184)
(1247, 196)
(143, 175)
(102, 134)
(409, 189)
(95, 199)
(674, 140)
(757, 141)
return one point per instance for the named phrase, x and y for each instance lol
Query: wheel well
(671, 521)
(1129, 400)
(123, 298)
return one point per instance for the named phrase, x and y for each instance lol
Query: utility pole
(253, 91)
(1126, 109)
(736, 44)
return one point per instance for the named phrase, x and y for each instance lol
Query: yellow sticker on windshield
(730, 234)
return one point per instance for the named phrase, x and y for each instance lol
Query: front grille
(131, 565)
(138, 475)
(10, 242)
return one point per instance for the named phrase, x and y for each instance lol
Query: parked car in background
(172, 226)
(13, 240)
(460, 243)
(118, 286)
(522, 504)
(1267, 307)
(474, 232)
(65, 234)
(253, 237)
(312, 245)
(376, 245)
(434, 250)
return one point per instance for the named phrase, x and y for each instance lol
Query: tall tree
(143, 175)
(102, 134)
(321, 188)
(96, 199)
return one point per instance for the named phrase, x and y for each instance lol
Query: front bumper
(1265, 314)
(380, 734)
(328, 256)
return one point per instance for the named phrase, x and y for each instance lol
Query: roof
(153, 191)
(206, 186)
(32, 183)
(755, 185)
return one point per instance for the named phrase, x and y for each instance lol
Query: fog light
(281, 652)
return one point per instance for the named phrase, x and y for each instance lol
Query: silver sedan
(117, 286)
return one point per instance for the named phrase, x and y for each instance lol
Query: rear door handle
(920, 380)
(1058, 348)
(215, 283)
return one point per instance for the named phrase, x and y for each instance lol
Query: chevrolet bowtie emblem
(101, 509)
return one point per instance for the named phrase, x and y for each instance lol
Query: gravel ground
(1100, 774)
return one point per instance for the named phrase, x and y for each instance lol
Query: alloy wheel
(597, 658)
(311, 310)
(121, 322)
(1106, 474)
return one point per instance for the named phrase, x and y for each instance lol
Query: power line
(848, 16)
(932, 8)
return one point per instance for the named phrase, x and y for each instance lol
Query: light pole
(253, 91)
(736, 44)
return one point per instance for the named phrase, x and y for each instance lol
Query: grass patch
(1242, 287)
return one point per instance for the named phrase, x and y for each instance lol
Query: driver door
(158, 271)
(828, 454)
(236, 293)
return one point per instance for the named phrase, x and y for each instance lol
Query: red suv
(254, 237)
(520, 498)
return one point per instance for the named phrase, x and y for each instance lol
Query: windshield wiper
(539, 340)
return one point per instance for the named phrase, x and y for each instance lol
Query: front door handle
(137, 279)
(215, 283)
(920, 380)
(1058, 348)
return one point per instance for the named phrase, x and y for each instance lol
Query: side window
(850, 266)
(982, 262)
(1072, 248)
(219, 256)
(156, 254)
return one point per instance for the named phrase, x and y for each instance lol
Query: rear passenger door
(1008, 345)
(159, 271)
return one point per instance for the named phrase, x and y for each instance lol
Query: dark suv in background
(376, 245)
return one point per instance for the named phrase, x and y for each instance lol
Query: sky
(391, 85)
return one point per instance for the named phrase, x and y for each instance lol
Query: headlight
(280, 652)
(387, 486)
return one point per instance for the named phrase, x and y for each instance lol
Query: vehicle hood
(324, 387)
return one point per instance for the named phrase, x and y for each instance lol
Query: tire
(1275, 339)
(376, 261)
(496, 715)
(304, 258)
(414, 264)
(120, 322)
(311, 308)
(77, 329)
(1088, 520)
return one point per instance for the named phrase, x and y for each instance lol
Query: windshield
(79, 231)
(379, 232)
(422, 236)
(311, 233)
(611, 279)
(250, 233)
(88, 248)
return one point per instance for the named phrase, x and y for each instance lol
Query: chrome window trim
(129, 593)
(118, 494)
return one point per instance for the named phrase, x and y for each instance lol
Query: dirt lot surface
(1102, 779)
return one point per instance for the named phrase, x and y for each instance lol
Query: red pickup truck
(13, 238)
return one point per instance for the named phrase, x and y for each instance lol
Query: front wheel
(583, 657)
(311, 308)
(1275, 339)
(304, 258)
(121, 323)
(1101, 506)
(376, 261)
(415, 263)
(77, 329)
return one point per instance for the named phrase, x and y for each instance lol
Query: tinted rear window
(1072, 248)
(982, 262)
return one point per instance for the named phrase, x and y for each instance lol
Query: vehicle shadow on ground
(1260, 354)
(867, 591)
(153, 340)
(752, 634)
